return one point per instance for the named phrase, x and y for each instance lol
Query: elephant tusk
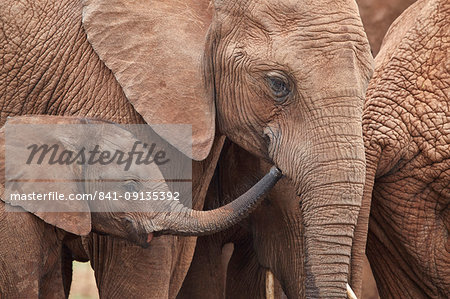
(350, 293)
(270, 292)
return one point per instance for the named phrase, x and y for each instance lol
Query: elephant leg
(53, 284)
(212, 271)
(66, 270)
(125, 270)
(408, 254)
(206, 275)
(30, 260)
(246, 278)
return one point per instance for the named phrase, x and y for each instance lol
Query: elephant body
(406, 132)
(67, 77)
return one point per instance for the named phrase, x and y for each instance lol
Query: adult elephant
(406, 132)
(376, 17)
(279, 91)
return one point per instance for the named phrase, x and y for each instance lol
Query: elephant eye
(279, 86)
(131, 186)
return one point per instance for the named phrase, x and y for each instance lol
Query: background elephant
(279, 92)
(406, 132)
(377, 16)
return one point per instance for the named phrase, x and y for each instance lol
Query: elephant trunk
(185, 221)
(328, 237)
(329, 173)
(331, 207)
(373, 151)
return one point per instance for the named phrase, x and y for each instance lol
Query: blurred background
(83, 282)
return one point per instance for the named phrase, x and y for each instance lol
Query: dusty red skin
(405, 125)
(83, 85)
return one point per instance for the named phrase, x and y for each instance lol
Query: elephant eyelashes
(279, 86)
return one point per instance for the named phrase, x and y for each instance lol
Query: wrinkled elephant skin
(406, 132)
(269, 84)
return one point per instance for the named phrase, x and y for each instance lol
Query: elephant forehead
(302, 41)
(282, 17)
(285, 10)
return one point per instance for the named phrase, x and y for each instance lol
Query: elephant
(127, 219)
(377, 16)
(251, 70)
(406, 128)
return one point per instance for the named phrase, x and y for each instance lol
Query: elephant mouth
(143, 240)
(138, 235)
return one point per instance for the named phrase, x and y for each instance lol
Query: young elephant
(134, 220)
(406, 131)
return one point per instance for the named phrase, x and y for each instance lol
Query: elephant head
(110, 209)
(283, 79)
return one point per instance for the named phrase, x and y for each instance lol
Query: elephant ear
(155, 51)
(76, 217)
